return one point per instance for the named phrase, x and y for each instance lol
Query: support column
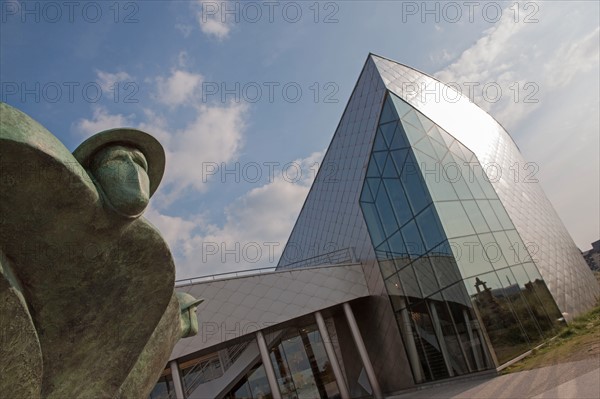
(337, 371)
(362, 350)
(474, 348)
(411, 347)
(266, 360)
(440, 337)
(176, 379)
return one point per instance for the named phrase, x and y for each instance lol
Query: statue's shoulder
(28, 150)
(18, 127)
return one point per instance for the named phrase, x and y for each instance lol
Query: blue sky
(261, 94)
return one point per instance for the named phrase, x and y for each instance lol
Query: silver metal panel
(558, 259)
(331, 218)
(240, 306)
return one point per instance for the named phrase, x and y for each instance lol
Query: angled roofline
(437, 80)
(326, 152)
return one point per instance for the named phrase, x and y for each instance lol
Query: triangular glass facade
(448, 251)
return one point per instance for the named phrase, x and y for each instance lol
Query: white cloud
(179, 88)
(573, 59)
(214, 136)
(176, 231)
(106, 80)
(185, 29)
(210, 19)
(101, 120)
(256, 227)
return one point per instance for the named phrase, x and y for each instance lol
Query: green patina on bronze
(88, 307)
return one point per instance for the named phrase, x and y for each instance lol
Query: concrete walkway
(576, 380)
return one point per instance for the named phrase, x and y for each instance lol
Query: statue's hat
(147, 144)
(187, 301)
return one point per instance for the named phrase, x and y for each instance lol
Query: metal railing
(198, 376)
(221, 276)
(345, 255)
(340, 257)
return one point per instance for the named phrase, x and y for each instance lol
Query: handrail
(191, 386)
(247, 273)
(219, 276)
(351, 257)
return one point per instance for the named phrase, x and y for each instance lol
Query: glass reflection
(425, 247)
(302, 367)
(503, 328)
(254, 385)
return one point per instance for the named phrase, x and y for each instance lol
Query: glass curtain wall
(164, 388)
(439, 229)
(301, 367)
(254, 385)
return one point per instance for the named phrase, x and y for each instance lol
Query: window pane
(388, 131)
(468, 173)
(425, 146)
(400, 140)
(430, 227)
(435, 134)
(397, 247)
(413, 133)
(380, 144)
(425, 122)
(390, 169)
(386, 215)
(388, 113)
(401, 107)
(399, 203)
(507, 248)
(440, 188)
(414, 186)
(412, 240)
(501, 214)
(469, 256)
(475, 216)
(445, 268)
(454, 219)
(489, 215)
(484, 182)
(410, 287)
(366, 196)
(387, 267)
(492, 251)
(440, 149)
(373, 171)
(259, 385)
(380, 157)
(395, 292)
(399, 157)
(372, 221)
(425, 275)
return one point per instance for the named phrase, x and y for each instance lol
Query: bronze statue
(87, 301)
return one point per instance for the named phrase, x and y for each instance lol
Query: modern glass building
(418, 255)
(425, 184)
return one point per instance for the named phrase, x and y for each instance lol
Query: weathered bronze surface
(87, 302)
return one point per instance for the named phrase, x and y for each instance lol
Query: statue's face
(122, 173)
(189, 322)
